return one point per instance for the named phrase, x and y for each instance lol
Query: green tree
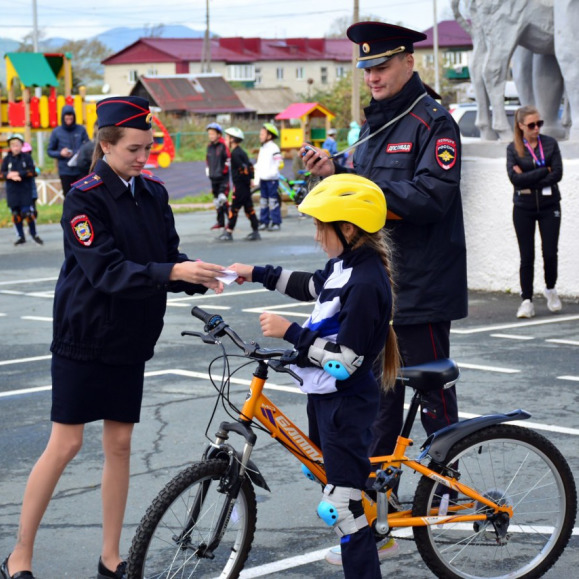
(338, 99)
(86, 62)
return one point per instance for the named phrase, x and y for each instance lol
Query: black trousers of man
(418, 344)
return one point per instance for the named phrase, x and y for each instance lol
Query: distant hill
(118, 38)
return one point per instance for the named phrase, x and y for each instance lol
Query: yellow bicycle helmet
(347, 197)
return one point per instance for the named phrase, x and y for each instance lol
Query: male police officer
(410, 146)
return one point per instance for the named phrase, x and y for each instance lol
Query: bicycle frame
(259, 407)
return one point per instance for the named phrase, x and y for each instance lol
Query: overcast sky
(77, 19)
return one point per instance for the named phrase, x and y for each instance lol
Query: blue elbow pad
(337, 370)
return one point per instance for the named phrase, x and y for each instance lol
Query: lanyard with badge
(539, 161)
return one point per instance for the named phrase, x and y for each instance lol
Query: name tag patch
(82, 229)
(399, 148)
(446, 153)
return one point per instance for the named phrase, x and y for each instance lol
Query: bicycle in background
(494, 500)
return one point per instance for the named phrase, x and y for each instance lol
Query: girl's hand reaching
(273, 326)
(244, 272)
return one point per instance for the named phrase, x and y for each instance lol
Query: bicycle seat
(430, 376)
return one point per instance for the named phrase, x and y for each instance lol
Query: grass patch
(47, 214)
(50, 214)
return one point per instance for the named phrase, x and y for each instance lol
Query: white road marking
(487, 368)
(33, 280)
(512, 337)
(24, 360)
(36, 318)
(565, 342)
(572, 378)
(518, 325)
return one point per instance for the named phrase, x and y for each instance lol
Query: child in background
(347, 331)
(269, 162)
(242, 176)
(18, 170)
(218, 172)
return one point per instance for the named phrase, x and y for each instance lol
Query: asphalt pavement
(505, 364)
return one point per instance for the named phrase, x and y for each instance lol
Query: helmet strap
(347, 246)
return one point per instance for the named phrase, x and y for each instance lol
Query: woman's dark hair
(110, 135)
(520, 115)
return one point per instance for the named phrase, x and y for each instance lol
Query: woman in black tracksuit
(535, 167)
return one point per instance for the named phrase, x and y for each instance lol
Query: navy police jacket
(536, 187)
(416, 162)
(119, 250)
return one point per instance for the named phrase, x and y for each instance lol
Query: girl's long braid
(380, 243)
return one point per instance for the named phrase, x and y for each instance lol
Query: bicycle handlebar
(215, 327)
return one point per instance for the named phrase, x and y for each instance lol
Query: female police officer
(121, 259)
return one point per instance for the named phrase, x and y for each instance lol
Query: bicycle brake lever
(278, 366)
(207, 338)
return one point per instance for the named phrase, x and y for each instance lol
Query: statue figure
(497, 28)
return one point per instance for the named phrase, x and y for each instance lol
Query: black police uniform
(111, 293)
(416, 162)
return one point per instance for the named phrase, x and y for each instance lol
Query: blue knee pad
(341, 508)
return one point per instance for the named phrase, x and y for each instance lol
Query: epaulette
(150, 177)
(87, 183)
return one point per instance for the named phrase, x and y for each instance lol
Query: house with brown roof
(202, 94)
(301, 64)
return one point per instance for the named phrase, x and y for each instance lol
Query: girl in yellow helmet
(348, 330)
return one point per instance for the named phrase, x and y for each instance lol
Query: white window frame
(279, 73)
(133, 75)
(241, 72)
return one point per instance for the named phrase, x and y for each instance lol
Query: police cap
(379, 42)
(127, 111)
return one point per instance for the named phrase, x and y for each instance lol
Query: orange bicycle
(494, 501)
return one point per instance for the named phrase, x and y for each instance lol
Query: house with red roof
(301, 64)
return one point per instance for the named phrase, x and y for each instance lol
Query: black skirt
(87, 391)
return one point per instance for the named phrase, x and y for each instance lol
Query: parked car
(465, 115)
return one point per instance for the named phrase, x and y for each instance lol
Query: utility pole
(355, 73)
(435, 46)
(37, 90)
(206, 56)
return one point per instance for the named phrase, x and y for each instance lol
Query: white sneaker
(526, 309)
(553, 301)
(387, 547)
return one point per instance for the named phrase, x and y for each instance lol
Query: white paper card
(547, 191)
(227, 276)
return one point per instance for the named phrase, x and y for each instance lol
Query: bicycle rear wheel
(513, 466)
(172, 537)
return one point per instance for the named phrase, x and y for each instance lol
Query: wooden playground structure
(28, 111)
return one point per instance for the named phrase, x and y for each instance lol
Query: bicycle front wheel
(179, 536)
(512, 466)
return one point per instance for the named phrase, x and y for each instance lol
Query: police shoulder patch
(82, 230)
(87, 183)
(150, 177)
(446, 153)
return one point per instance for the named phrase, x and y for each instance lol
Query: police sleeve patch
(82, 229)
(446, 153)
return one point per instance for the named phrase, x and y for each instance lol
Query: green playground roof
(33, 68)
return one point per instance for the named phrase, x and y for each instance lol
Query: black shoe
(20, 241)
(104, 573)
(38, 240)
(253, 236)
(19, 575)
(226, 236)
